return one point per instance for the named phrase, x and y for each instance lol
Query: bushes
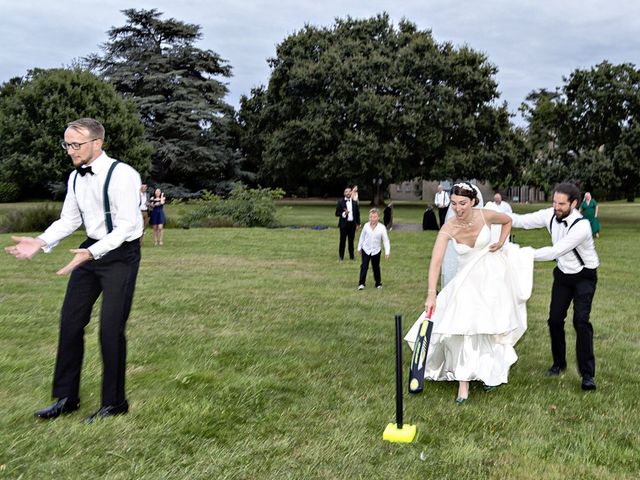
(33, 219)
(174, 191)
(9, 192)
(242, 208)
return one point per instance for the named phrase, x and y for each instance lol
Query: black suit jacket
(341, 206)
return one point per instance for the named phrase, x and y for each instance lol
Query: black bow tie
(83, 171)
(562, 221)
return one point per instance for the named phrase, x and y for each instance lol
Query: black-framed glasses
(74, 146)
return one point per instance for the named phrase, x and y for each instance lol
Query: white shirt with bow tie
(84, 204)
(563, 238)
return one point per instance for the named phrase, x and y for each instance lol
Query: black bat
(418, 359)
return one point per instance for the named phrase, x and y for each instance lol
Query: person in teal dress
(589, 209)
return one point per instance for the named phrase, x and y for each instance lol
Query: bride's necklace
(464, 224)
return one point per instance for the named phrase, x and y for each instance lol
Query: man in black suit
(348, 215)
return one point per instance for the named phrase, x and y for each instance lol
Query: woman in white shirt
(369, 246)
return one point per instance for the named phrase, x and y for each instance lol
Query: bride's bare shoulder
(448, 230)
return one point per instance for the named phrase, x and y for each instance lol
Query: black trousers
(114, 275)
(442, 214)
(364, 268)
(347, 232)
(579, 288)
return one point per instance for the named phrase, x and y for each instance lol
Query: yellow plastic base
(406, 434)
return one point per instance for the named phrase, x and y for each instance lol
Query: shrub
(9, 192)
(58, 189)
(33, 219)
(174, 191)
(242, 208)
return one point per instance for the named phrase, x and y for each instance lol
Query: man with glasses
(104, 195)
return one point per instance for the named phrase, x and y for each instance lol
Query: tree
(587, 131)
(179, 95)
(362, 101)
(33, 113)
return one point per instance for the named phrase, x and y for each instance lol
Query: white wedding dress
(480, 314)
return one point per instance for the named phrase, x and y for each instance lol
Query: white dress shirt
(371, 238)
(503, 207)
(563, 239)
(442, 199)
(85, 205)
(143, 201)
(349, 210)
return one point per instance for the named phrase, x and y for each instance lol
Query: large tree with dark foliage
(34, 111)
(588, 131)
(179, 91)
(364, 100)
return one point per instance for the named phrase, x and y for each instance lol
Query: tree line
(362, 102)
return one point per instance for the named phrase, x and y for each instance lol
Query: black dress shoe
(108, 411)
(62, 406)
(588, 383)
(554, 371)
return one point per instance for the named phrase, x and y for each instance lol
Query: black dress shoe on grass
(588, 383)
(62, 407)
(554, 371)
(108, 411)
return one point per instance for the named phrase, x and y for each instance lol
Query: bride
(481, 312)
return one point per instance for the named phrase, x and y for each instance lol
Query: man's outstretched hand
(25, 248)
(81, 255)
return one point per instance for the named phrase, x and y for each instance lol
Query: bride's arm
(493, 217)
(435, 265)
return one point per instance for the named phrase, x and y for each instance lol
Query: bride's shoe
(463, 392)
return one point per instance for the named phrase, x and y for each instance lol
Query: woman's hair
(465, 189)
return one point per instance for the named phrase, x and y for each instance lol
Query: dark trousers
(579, 288)
(113, 275)
(442, 214)
(364, 268)
(348, 231)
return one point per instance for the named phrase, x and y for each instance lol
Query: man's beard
(562, 215)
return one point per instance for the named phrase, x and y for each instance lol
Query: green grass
(252, 355)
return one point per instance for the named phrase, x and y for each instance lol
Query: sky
(533, 43)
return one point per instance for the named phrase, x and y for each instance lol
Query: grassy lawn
(252, 355)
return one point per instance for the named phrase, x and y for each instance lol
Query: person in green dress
(589, 209)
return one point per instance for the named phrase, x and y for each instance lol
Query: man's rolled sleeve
(69, 221)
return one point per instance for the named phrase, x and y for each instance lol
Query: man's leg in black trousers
(351, 232)
(343, 241)
(442, 216)
(561, 296)
(364, 268)
(118, 280)
(584, 292)
(375, 264)
(83, 290)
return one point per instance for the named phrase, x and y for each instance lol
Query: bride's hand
(430, 303)
(494, 247)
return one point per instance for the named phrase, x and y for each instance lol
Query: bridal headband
(465, 186)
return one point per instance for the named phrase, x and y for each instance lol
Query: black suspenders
(105, 196)
(575, 250)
